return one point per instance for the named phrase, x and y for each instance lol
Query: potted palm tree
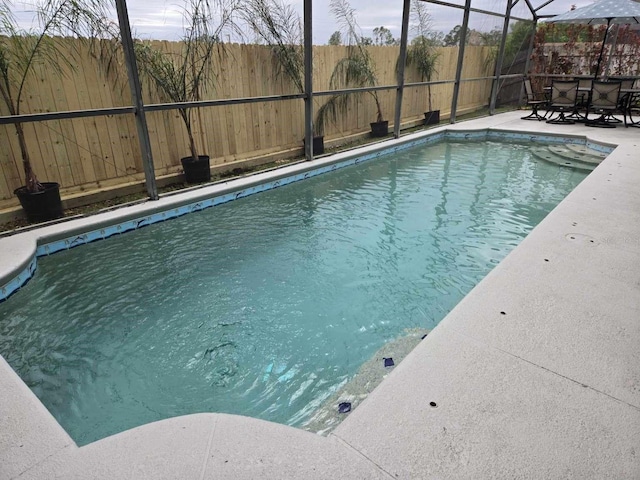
(20, 52)
(184, 76)
(356, 69)
(278, 25)
(422, 54)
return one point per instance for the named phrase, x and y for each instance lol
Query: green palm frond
(357, 69)
(353, 71)
(278, 25)
(185, 76)
(162, 70)
(332, 109)
(22, 50)
(345, 16)
(422, 55)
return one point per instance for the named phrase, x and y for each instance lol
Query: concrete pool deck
(535, 374)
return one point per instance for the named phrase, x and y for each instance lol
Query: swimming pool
(304, 283)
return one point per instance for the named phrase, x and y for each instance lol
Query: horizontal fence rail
(46, 117)
(81, 133)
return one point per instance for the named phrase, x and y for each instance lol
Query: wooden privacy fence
(88, 153)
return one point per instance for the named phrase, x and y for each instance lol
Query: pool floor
(267, 305)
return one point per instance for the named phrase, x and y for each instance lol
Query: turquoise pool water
(266, 305)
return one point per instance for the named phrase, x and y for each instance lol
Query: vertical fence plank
(10, 162)
(84, 152)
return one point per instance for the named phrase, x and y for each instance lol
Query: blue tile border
(103, 233)
(18, 281)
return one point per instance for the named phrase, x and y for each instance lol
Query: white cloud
(163, 18)
(156, 19)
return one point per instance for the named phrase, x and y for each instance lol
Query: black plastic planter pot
(196, 171)
(41, 206)
(318, 145)
(432, 117)
(380, 129)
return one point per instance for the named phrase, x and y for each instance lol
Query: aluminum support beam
(136, 97)
(532, 42)
(540, 7)
(156, 107)
(499, 61)
(475, 10)
(308, 80)
(463, 43)
(527, 64)
(49, 116)
(531, 9)
(402, 62)
(355, 90)
(611, 51)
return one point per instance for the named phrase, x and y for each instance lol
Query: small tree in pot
(278, 25)
(422, 54)
(20, 52)
(355, 70)
(185, 75)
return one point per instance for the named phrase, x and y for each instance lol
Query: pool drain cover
(388, 362)
(344, 407)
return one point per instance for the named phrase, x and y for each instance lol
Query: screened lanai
(99, 121)
(306, 315)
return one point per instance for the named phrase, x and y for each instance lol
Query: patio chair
(625, 82)
(584, 89)
(585, 83)
(564, 95)
(632, 109)
(535, 101)
(605, 100)
(629, 102)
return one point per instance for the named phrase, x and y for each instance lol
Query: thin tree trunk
(192, 143)
(380, 118)
(30, 180)
(187, 123)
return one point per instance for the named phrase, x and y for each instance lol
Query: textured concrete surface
(495, 416)
(28, 433)
(370, 374)
(535, 374)
(209, 446)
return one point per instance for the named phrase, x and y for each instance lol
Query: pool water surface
(266, 305)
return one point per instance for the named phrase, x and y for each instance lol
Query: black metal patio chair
(632, 109)
(535, 101)
(625, 82)
(630, 102)
(584, 90)
(564, 95)
(605, 101)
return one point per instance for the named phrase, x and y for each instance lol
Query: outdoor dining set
(598, 100)
(593, 102)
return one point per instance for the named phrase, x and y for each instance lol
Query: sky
(162, 19)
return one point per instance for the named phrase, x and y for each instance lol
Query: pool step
(561, 155)
(579, 153)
